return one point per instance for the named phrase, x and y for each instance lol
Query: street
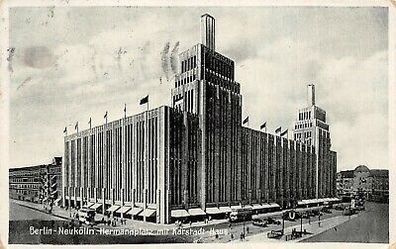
(18, 212)
(371, 226)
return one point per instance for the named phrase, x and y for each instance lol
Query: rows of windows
(304, 115)
(303, 135)
(219, 67)
(24, 179)
(188, 64)
(25, 192)
(303, 125)
(25, 186)
(186, 80)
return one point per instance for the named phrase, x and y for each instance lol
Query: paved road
(370, 226)
(18, 212)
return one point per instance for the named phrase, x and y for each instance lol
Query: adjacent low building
(193, 159)
(372, 183)
(26, 183)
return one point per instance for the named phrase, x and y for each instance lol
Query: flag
(105, 117)
(144, 100)
(284, 133)
(246, 120)
(263, 126)
(125, 108)
(278, 130)
(76, 126)
(90, 122)
(65, 130)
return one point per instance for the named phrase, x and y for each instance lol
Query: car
(259, 222)
(276, 234)
(271, 220)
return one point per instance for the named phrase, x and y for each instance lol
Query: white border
(4, 105)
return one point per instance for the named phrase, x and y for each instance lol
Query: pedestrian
(232, 236)
(247, 229)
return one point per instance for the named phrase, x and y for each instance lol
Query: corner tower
(205, 86)
(311, 128)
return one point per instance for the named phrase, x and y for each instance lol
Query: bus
(86, 215)
(241, 214)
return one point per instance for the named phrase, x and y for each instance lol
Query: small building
(26, 183)
(372, 183)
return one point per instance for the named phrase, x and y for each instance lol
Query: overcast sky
(70, 64)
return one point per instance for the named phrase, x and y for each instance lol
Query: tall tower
(205, 86)
(208, 34)
(311, 128)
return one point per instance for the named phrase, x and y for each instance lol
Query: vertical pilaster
(64, 180)
(114, 163)
(203, 142)
(89, 166)
(124, 173)
(82, 171)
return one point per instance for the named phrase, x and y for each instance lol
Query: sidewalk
(68, 214)
(57, 211)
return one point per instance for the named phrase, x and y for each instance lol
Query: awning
(257, 207)
(225, 209)
(148, 213)
(213, 210)
(265, 205)
(235, 207)
(179, 213)
(247, 206)
(196, 212)
(299, 210)
(134, 211)
(89, 204)
(274, 205)
(96, 206)
(123, 210)
(113, 208)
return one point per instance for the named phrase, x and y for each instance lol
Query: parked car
(259, 222)
(271, 220)
(275, 234)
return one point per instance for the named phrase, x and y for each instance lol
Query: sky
(72, 63)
